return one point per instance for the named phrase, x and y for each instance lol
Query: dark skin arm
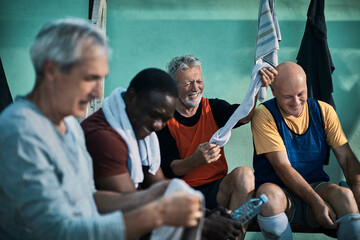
(219, 225)
(150, 179)
(109, 201)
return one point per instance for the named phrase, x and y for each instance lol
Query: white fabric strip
(222, 136)
(267, 44)
(180, 233)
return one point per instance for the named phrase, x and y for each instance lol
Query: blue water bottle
(249, 210)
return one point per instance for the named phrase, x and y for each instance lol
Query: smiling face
(149, 112)
(190, 86)
(289, 89)
(71, 92)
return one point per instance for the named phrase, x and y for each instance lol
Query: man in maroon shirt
(149, 103)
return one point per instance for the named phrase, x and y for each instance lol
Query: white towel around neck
(144, 152)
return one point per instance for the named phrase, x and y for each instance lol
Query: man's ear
(50, 69)
(130, 97)
(273, 89)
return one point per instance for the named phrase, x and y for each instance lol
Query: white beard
(192, 102)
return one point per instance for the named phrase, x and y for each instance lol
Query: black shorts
(210, 191)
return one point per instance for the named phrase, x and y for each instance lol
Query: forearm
(179, 208)
(181, 167)
(147, 215)
(297, 184)
(248, 118)
(150, 179)
(353, 178)
(107, 201)
(351, 168)
(356, 192)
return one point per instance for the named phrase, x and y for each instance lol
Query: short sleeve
(335, 135)
(265, 133)
(108, 151)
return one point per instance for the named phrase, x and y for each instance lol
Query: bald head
(289, 73)
(289, 88)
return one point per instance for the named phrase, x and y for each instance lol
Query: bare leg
(236, 188)
(340, 199)
(278, 201)
(273, 219)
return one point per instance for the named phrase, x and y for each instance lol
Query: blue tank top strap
(307, 152)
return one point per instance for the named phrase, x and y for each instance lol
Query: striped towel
(268, 38)
(267, 44)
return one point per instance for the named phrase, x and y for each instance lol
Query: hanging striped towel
(268, 38)
(267, 43)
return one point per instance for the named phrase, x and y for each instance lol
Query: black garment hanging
(314, 55)
(5, 95)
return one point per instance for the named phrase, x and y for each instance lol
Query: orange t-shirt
(188, 139)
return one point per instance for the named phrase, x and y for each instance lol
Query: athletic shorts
(300, 208)
(210, 191)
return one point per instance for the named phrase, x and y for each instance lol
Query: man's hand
(324, 215)
(219, 225)
(267, 76)
(204, 154)
(180, 209)
(155, 191)
(207, 153)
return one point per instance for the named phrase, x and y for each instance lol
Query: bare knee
(277, 199)
(341, 199)
(243, 177)
(236, 188)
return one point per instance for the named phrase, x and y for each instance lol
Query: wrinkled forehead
(191, 74)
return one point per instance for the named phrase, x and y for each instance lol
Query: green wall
(222, 34)
(19, 22)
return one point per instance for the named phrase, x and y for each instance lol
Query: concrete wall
(222, 34)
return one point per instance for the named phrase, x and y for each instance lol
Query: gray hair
(64, 42)
(183, 63)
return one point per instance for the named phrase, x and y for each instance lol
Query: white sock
(275, 227)
(349, 227)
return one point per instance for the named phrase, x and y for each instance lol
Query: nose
(297, 101)
(194, 86)
(98, 89)
(158, 124)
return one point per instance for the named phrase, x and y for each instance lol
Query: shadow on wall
(346, 92)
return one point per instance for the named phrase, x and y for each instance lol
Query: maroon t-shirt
(107, 148)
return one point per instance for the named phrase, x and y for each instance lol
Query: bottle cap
(264, 198)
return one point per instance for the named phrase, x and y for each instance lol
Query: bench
(298, 228)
